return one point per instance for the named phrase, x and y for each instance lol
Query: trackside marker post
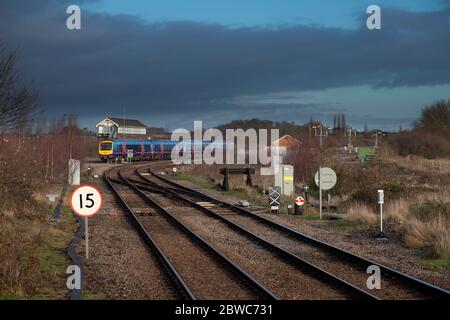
(86, 201)
(381, 235)
(320, 192)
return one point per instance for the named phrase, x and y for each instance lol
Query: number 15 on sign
(86, 201)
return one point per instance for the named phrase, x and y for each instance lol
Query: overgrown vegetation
(33, 258)
(33, 161)
(430, 136)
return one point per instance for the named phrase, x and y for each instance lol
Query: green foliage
(441, 265)
(365, 151)
(195, 180)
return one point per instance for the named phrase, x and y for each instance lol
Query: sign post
(320, 189)
(305, 188)
(86, 201)
(381, 235)
(299, 202)
(325, 179)
(86, 237)
(129, 155)
(274, 198)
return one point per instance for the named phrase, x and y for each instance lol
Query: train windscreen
(106, 146)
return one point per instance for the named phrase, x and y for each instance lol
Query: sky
(168, 63)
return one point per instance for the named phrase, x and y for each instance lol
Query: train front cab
(105, 150)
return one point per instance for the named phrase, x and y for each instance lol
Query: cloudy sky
(170, 62)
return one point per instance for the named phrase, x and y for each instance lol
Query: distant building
(114, 128)
(287, 141)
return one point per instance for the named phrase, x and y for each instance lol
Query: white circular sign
(299, 201)
(86, 201)
(328, 178)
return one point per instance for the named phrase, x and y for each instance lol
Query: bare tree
(16, 102)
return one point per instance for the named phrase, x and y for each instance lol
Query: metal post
(350, 140)
(381, 235)
(321, 135)
(86, 237)
(124, 117)
(310, 134)
(329, 201)
(320, 194)
(381, 218)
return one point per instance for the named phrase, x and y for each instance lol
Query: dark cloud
(181, 68)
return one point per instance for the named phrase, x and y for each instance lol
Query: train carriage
(116, 150)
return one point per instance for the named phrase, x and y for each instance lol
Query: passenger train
(115, 150)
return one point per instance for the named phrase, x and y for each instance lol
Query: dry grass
(397, 211)
(19, 258)
(361, 213)
(33, 258)
(424, 220)
(423, 165)
(433, 235)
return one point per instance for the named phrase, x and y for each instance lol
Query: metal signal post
(322, 133)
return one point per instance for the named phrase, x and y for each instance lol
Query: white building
(114, 128)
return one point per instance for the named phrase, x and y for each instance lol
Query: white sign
(86, 201)
(328, 178)
(74, 172)
(380, 196)
(299, 201)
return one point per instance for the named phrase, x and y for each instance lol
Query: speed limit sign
(86, 201)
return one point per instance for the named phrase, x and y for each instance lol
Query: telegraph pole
(376, 134)
(124, 134)
(322, 132)
(350, 131)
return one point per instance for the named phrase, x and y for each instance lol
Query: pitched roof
(287, 140)
(127, 122)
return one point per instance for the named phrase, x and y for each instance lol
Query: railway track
(284, 273)
(196, 269)
(340, 265)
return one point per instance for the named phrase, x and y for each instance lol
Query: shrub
(427, 144)
(432, 235)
